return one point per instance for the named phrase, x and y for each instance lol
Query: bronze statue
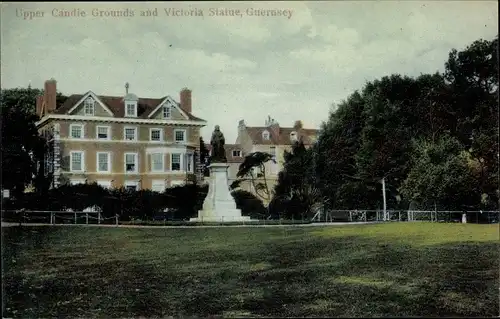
(217, 142)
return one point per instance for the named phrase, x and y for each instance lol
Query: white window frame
(238, 153)
(86, 104)
(76, 181)
(265, 135)
(130, 128)
(184, 135)
(166, 111)
(97, 163)
(108, 132)
(131, 183)
(127, 104)
(162, 169)
(158, 182)
(151, 130)
(82, 161)
(104, 183)
(82, 131)
(136, 160)
(172, 162)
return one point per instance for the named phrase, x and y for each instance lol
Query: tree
(440, 175)
(23, 149)
(20, 138)
(253, 170)
(204, 157)
(296, 193)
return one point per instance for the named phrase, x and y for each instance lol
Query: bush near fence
(176, 203)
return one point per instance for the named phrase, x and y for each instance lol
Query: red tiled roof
(115, 103)
(283, 138)
(229, 148)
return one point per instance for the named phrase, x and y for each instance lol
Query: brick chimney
(273, 126)
(186, 100)
(49, 95)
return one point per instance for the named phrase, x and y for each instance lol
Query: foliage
(440, 174)
(249, 204)
(253, 169)
(297, 196)
(23, 149)
(204, 157)
(379, 132)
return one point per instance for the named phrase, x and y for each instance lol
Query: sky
(248, 65)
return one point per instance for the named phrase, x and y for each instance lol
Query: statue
(217, 142)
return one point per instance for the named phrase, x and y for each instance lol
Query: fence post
(75, 217)
(399, 215)
(99, 217)
(116, 218)
(87, 218)
(350, 216)
(52, 218)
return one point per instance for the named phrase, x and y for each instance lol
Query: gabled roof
(229, 148)
(283, 138)
(145, 106)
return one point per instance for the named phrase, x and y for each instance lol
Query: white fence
(57, 217)
(407, 215)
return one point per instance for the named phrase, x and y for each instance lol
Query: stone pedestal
(219, 205)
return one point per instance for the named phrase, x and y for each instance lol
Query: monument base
(219, 205)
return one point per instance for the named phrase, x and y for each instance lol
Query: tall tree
(204, 157)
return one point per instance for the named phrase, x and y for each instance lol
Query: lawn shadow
(287, 274)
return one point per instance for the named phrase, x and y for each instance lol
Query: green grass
(397, 269)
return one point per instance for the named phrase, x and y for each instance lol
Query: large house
(120, 141)
(272, 139)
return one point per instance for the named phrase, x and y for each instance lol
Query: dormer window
(236, 153)
(89, 106)
(265, 135)
(293, 136)
(130, 101)
(131, 109)
(166, 112)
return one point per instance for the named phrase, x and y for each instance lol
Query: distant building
(120, 141)
(272, 139)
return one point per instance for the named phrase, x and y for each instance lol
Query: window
(180, 136)
(76, 130)
(89, 106)
(130, 133)
(76, 161)
(175, 163)
(166, 112)
(103, 133)
(77, 181)
(265, 135)
(131, 162)
(293, 136)
(104, 184)
(189, 163)
(131, 185)
(272, 151)
(157, 162)
(158, 186)
(155, 134)
(236, 153)
(131, 109)
(103, 162)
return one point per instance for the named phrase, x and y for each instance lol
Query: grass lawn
(396, 269)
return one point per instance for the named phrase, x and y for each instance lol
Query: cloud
(240, 67)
